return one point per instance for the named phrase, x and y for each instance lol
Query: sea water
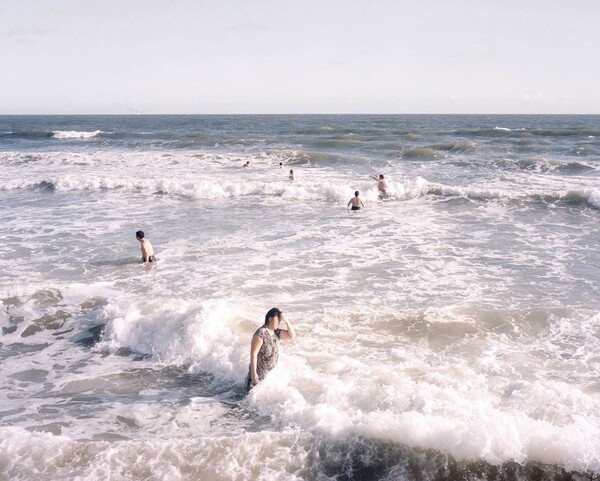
(450, 330)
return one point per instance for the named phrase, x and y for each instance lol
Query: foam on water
(446, 399)
(310, 187)
(71, 134)
(447, 331)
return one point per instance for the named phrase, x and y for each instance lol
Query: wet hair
(139, 234)
(381, 176)
(356, 193)
(272, 313)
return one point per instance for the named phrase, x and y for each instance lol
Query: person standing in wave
(264, 347)
(382, 185)
(147, 250)
(291, 176)
(356, 203)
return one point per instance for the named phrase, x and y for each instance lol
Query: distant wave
(311, 158)
(455, 147)
(27, 135)
(528, 132)
(421, 153)
(54, 134)
(419, 187)
(201, 189)
(73, 134)
(435, 151)
(543, 165)
(589, 198)
(335, 142)
(326, 190)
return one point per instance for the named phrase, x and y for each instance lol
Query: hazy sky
(299, 56)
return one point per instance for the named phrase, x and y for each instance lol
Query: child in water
(147, 250)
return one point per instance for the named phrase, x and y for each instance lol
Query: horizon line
(282, 114)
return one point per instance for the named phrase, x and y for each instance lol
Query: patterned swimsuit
(268, 354)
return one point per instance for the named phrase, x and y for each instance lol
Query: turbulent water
(448, 331)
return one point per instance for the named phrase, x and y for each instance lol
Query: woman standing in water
(264, 348)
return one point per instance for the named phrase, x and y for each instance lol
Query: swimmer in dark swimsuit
(356, 202)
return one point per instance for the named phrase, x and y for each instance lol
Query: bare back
(147, 250)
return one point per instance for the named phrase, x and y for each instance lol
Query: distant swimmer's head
(356, 193)
(273, 313)
(381, 176)
(139, 235)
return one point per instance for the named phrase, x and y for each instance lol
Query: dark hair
(139, 234)
(356, 193)
(381, 176)
(272, 313)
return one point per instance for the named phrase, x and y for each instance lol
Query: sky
(299, 56)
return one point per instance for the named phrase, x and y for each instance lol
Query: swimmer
(291, 176)
(382, 185)
(264, 347)
(147, 250)
(356, 203)
(247, 164)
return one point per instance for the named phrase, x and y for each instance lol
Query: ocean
(447, 331)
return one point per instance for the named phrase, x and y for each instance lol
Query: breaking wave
(322, 190)
(544, 165)
(73, 134)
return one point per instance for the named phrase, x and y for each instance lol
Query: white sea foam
(96, 172)
(73, 134)
(594, 198)
(344, 394)
(263, 456)
(466, 415)
(179, 332)
(456, 316)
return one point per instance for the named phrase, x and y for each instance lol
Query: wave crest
(544, 165)
(324, 190)
(73, 134)
(420, 153)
